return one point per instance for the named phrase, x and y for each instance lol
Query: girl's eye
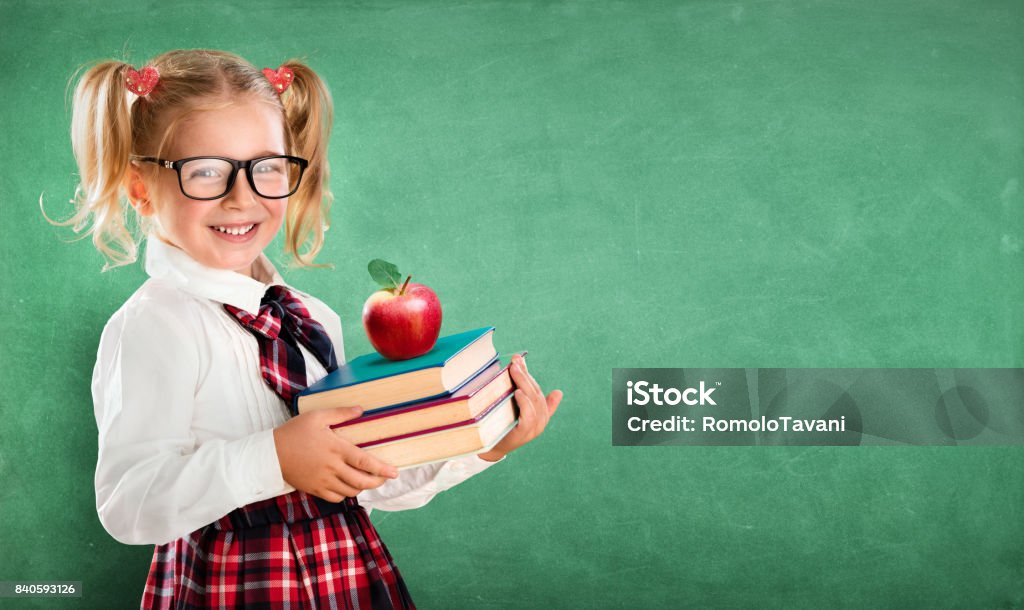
(270, 166)
(203, 172)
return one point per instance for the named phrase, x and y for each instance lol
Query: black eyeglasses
(205, 178)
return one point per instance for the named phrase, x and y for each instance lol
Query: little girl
(198, 453)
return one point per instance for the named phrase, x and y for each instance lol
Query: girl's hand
(534, 411)
(317, 461)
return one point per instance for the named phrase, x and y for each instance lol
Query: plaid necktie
(283, 322)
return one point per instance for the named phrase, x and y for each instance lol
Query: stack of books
(454, 400)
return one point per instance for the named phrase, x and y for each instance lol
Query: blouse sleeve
(414, 487)
(153, 483)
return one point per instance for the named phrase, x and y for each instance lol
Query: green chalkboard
(806, 183)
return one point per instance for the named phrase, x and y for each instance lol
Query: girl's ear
(138, 192)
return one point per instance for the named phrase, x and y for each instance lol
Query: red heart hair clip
(141, 82)
(281, 79)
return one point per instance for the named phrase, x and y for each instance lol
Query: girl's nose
(241, 193)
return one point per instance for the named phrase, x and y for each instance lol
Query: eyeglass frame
(235, 164)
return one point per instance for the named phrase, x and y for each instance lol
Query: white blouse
(185, 420)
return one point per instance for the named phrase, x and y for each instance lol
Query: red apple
(402, 323)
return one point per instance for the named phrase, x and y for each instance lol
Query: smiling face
(230, 232)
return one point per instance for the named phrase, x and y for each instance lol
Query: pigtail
(101, 136)
(309, 112)
(109, 123)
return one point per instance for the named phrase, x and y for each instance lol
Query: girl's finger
(540, 417)
(362, 460)
(358, 479)
(526, 409)
(342, 489)
(330, 495)
(529, 378)
(553, 400)
(336, 415)
(519, 377)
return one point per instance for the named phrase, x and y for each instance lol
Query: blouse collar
(172, 264)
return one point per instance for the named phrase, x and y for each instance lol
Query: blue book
(375, 383)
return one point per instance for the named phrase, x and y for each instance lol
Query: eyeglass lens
(209, 178)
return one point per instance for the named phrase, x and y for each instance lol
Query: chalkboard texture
(807, 183)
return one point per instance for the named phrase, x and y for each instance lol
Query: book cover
(468, 390)
(468, 422)
(374, 367)
(450, 442)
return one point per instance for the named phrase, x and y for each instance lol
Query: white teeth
(235, 230)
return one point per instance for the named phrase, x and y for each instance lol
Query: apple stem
(401, 291)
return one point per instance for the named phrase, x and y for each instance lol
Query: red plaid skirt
(292, 551)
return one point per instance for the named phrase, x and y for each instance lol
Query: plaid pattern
(282, 320)
(294, 551)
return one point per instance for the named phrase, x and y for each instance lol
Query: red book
(446, 442)
(466, 406)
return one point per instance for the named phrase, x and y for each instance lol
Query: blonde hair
(109, 124)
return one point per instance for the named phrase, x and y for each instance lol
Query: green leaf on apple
(384, 273)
